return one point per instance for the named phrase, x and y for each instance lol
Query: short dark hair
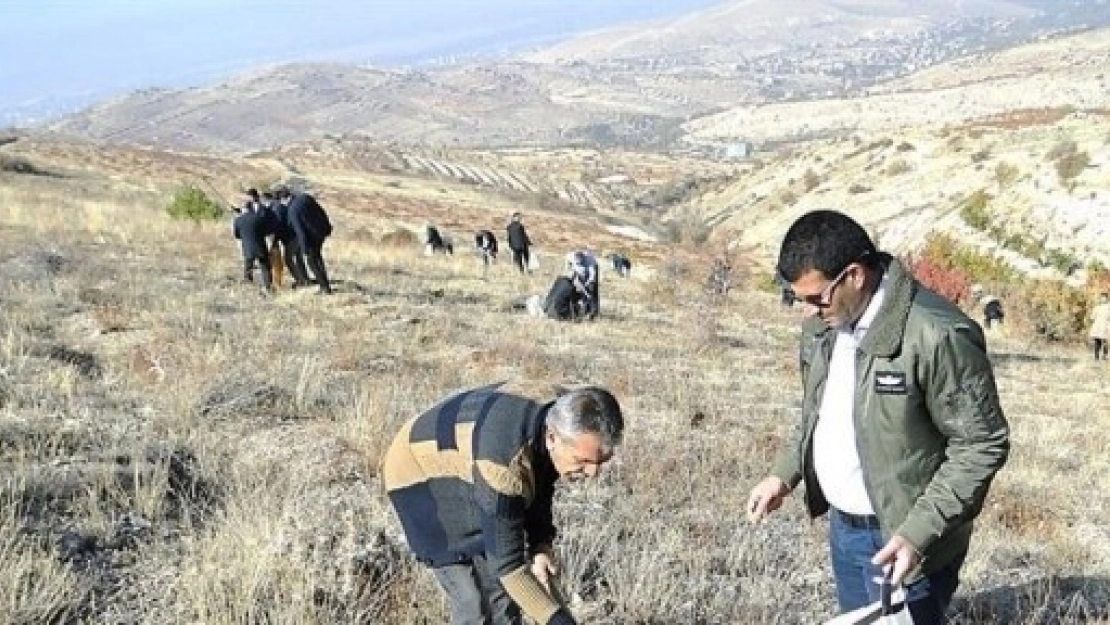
(826, 241)
(253, 193)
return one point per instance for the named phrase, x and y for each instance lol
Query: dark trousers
(592, 302)
(520, 259)
(1101, 349)
(294, 261)
(314, 256)
(852, 545)
(475, 595)
(264, 263)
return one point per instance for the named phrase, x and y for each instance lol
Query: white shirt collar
(872, 308)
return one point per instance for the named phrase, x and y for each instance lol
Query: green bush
(975, 210)
(189, 202)
(1069, 166)
(1049, 309)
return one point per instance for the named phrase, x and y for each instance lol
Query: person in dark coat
(285, 243)
(583, 271)
(251, 228)
(992, 312)
(472, 481)
(519, 243)
(486, 245)
(621, 264)
(564, 301)
(436, 242)
(311, 228)
(251, 201)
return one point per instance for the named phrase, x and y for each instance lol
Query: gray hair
(591, 410)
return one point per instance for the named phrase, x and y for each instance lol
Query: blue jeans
(852, 548)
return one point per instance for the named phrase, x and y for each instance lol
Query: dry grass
(201, 454)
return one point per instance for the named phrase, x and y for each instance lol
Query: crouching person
(435, 242)
(485, 244)
(565, 301)
(582, 269)
(621, 264)
(472, 481)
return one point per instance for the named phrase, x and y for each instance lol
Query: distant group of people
(574, 295)
(278, 227)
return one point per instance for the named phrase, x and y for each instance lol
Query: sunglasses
(824, 298)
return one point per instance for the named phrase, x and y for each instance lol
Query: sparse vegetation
(810, 180)
(975, 210)
(981, 156)
(151, 478)
(1069, 161)
(1005, 174)
(898, 167)
(1048, 308)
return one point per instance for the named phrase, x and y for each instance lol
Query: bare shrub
(1005, 174)
(898, 167)
(810, 180)
(19, 165)
(401, 237)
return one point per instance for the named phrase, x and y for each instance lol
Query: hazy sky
(55, 51)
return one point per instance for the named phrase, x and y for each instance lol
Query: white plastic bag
(890, 609)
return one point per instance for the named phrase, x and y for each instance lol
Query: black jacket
(284, 228)
(561, 299)
(518, 238)
(485, 241)
(252, 227)
(309, 221)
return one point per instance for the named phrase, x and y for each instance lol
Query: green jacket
(930, 432)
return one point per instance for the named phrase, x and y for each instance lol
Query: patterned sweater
(472, 476)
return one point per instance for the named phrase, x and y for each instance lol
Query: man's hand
(766, 497)
(545, 568)
(900, 555)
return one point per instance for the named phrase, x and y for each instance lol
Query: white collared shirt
(835, 455)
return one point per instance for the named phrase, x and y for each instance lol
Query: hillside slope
(1056, 73)
(178, 449)
(626, 88)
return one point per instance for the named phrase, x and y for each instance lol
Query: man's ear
(550, 437)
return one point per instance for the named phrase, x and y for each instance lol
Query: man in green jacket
(901, 431)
